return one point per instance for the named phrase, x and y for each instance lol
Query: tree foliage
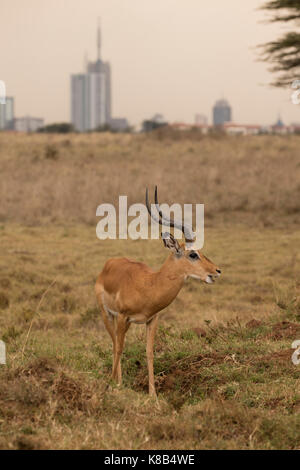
(284, 53)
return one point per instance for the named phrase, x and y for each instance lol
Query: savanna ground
(223, 366)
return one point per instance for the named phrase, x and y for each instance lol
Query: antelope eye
(193, 255)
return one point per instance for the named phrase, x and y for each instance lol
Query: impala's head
(193, 263)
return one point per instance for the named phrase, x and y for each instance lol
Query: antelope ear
(171, 243)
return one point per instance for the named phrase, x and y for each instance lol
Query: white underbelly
(139, 318)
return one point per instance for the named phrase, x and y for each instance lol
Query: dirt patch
(256, 299)
(4, 300)
(279, 356)
(183, 375)
(28, 443)
(285, 330)
(5, 283)
(200, 332)
(254, 323)
(72, 392)
(42, 382)
(20, 396)
(43, 369)
(170, 429)
(26, 387)
(65, 389)
(274, 403)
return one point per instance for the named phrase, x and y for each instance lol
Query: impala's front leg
(151, 329)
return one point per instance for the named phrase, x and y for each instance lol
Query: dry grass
(233, 387)
(223, 352)
(59, 178)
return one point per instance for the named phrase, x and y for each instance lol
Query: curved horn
(187, 231)
(154, 217)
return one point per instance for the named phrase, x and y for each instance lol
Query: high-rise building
(91, 94)
(7, 114)
(221, 112)
(28, 124)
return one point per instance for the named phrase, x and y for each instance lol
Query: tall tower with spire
(91, 93)
(98, 41)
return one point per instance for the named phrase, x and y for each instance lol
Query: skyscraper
(91, 94)
(221, 112)
(7, 114)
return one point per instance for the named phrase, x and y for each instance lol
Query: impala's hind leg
(122, 326)
(109, 325)
(108, 321)
(151, 329)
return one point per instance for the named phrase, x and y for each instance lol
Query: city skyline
(91, 94)
(165, 58)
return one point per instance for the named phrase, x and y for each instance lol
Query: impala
(131, 292)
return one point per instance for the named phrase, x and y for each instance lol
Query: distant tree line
(108, 128)
(57, 128)
(65, 127)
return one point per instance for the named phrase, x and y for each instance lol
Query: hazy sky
(175, 57)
